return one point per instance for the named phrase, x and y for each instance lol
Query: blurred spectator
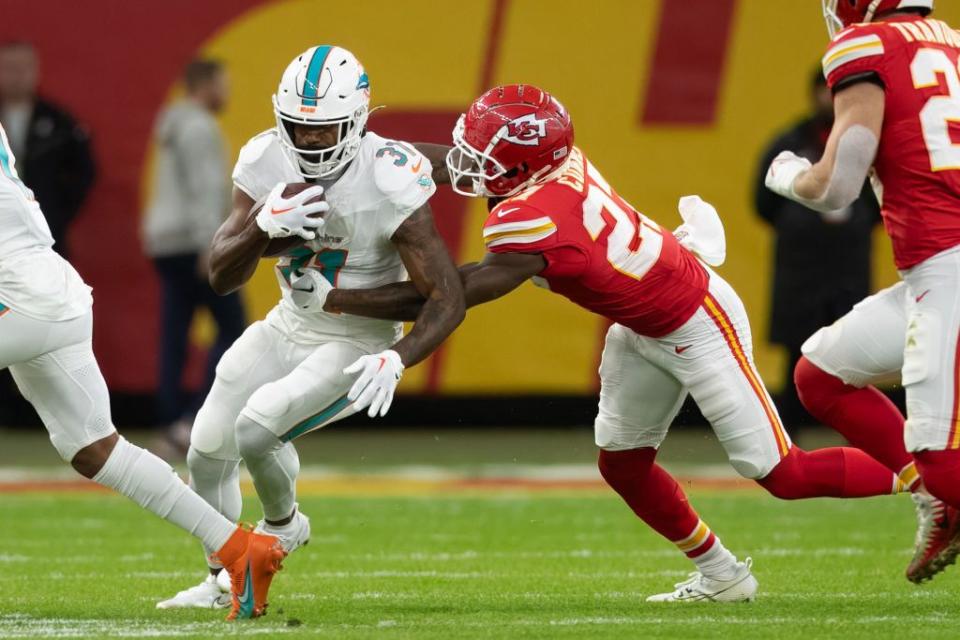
(52, 150)
(190, 200)
(821, 261)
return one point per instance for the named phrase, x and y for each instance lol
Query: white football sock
(274, 466)
(155, 486)
(717, 563)
(217, 482)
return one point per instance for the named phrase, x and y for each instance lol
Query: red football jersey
(600, 252)
(918, 162)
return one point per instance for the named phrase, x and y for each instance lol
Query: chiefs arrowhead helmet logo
(525, 130)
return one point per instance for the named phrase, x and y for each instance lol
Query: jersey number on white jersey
(327, 261)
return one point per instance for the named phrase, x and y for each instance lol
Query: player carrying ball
(896, 84)
(678, 329)
(302, 368)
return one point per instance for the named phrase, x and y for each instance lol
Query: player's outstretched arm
(437, 155)
(836, 180)
(497, 275)
(237, 247)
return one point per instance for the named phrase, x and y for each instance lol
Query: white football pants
(908, 332)
(644, 381)
(55, 369)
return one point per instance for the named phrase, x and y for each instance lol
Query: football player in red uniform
(678, 327)
(894, 73)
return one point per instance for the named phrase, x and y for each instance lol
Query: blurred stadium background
(668, 97)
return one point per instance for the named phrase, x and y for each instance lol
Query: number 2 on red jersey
(634, 242)
(939, 111)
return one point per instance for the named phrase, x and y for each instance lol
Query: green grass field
(484, 565)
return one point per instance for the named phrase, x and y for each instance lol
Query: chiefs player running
(896, 88)
(679, 328)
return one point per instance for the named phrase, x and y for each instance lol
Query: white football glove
(281, 217)
(309, 290)
(783, 173)
(379, 375)
(702, 231)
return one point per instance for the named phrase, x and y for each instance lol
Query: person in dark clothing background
(53, 160)
(190, 200)
(821, 261)
(52, 149)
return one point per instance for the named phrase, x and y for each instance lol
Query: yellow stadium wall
(595, 59)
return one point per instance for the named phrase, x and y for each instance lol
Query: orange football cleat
(251, 559)
(938, 538)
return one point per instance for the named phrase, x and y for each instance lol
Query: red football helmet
(840, 14)
(511, 138)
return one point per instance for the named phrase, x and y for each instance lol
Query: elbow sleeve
(855, 153)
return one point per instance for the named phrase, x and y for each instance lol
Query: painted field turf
(489, 565)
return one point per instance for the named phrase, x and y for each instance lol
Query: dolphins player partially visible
(46, 327)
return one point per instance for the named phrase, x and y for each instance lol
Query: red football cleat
(938, 538)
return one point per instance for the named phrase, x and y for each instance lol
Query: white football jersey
(34, 279)
(382, 186)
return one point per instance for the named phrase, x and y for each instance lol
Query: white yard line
(26, 626)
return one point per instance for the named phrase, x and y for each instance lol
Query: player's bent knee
(211, 435)
(815, 387)
(753, 454)
(787, 480)
(254, 439)
(90, 459)
(204, 467)
(748, 468)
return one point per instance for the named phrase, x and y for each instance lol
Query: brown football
(281, 246)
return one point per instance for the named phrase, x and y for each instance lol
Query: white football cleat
(698, 588)
(292, 536)
(209, 594)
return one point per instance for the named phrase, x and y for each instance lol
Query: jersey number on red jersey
(635, 241)
(939, 111)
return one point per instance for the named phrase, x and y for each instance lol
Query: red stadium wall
(669, 97)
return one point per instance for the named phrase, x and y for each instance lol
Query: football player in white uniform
(46, 328)
(296, 370)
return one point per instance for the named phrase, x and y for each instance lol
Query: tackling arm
(435, 277)
(836, 180)
(497, 275)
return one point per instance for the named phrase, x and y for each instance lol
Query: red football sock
(864, 416)
(940, 471)
(836, 472)
(656, 498)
